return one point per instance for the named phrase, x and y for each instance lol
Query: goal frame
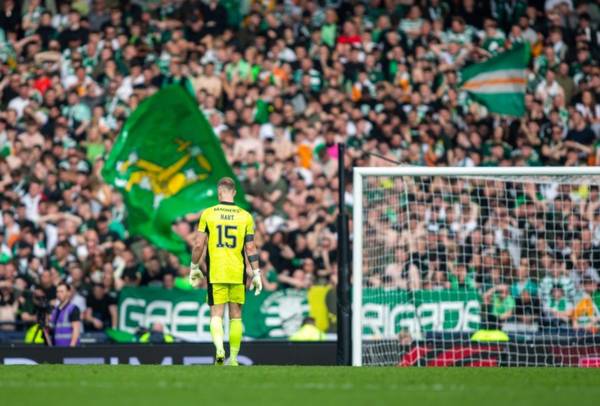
(357, 216)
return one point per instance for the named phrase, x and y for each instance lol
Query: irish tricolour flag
(499, 83)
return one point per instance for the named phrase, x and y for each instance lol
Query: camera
(41, 307)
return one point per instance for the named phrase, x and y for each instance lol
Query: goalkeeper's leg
(235, 332)
(216, 332)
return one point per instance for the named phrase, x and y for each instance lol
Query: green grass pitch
(288, 386)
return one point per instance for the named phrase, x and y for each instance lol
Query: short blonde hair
(227, 183)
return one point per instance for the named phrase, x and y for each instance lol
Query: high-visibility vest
(34, 335)
(308, 332)
(145, 338)
(490, 335)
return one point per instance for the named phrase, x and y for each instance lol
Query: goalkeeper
(227, 231)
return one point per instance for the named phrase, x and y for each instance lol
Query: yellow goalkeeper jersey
(228, 227)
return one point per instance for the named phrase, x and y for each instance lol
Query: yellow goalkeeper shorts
(220, 293)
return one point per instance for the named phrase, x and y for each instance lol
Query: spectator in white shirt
(32, 200)
(21, 101)
(548, 89)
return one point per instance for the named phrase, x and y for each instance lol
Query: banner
(279, 314)
(186, 315)
(387, 313)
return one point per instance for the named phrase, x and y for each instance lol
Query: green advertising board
(386, 313)
(186, 315)
(277, 315)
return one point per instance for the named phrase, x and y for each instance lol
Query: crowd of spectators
(281, 82)
(529, 246)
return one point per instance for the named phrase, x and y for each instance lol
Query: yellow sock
(235, 337)
(216, 332)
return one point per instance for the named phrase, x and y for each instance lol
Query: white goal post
(368, 181)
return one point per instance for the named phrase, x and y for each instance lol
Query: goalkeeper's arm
(252, 254)
(196, 274)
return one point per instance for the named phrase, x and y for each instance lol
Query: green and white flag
(500, 82)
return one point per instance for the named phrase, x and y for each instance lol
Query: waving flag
(166, 163)
(500, 82)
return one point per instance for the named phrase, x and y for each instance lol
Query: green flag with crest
(166, 163)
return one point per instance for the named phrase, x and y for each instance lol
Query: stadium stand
(281, 82)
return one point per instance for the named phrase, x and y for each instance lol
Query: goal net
(476, 266)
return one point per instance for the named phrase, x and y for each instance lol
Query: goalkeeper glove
(256, 282)
(196, 275)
